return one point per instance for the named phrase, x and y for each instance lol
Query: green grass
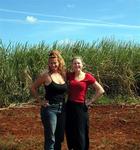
(115, 64)
(119, 100)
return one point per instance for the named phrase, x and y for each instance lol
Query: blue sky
(34, 21)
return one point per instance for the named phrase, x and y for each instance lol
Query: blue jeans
(53, 119)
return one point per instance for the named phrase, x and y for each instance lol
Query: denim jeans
(53, 119)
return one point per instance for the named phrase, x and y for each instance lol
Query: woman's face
(53, 64)
(77, 65)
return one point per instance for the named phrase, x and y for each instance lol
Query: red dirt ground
(111, 128)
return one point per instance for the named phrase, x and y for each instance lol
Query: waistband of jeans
(55, 103)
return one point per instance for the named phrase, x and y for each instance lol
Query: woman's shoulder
(90, 76)
(44, 76)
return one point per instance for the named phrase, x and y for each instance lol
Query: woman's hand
(44, 103)
(40, 102)
(89, 103)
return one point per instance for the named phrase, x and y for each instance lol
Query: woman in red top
(76, 108)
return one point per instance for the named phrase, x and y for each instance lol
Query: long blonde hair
(61, 68)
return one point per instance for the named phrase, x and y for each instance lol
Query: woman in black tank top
(52, 108)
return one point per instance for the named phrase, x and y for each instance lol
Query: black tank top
(55, 93)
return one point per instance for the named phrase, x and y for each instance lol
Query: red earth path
(112, 127)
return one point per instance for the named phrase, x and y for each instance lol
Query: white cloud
(119, 16)
(65, 42)
(75, 21)
(112, 25)
(31, 19)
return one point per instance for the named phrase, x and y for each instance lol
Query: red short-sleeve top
(77, 89)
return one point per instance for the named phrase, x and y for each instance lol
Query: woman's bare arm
(98, 93)
(42, 79)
